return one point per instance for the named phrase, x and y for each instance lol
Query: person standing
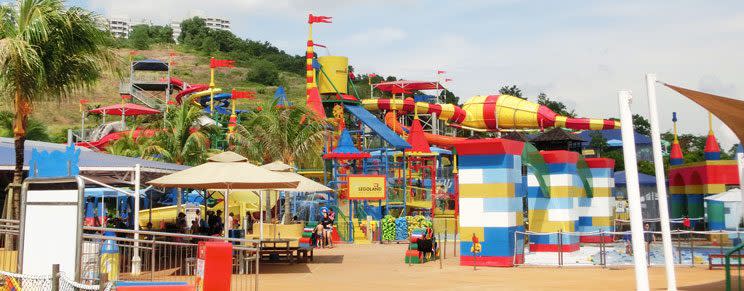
(648, 238)
(327, 224)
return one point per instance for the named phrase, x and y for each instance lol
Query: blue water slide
(377, 126)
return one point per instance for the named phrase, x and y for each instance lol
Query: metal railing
(736, 251)
(146, 98)
(159, 256)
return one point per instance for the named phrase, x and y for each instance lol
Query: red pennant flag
(243, 94)
(441, 72)
(83, 101)
(132, 53)
(448, 80)
(318, 19)
(215, 63)
(319, 45)
(171, 102)
(351, 76)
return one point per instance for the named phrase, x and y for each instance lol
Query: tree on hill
(47, 52)
(196, 35)
(263, 72)
(512, 90)
(641, 125)
(142, 36)
(35, 129)
(557, 106)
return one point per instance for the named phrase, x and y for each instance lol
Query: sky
(578, 52)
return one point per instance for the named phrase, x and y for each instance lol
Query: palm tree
(47, 51)
(35, 129)
(129, 146)
(286, 134)
(182, 140)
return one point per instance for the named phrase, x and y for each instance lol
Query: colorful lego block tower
(596, 213)
(491, 201)
(678, 201)
(690, 183)
(558, 210)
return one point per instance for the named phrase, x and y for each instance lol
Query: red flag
(686, 222)
(83, 101)
(126, 96)
(171, 102)
(441, 72)
(243, 94)
(447, 80)
(351, 76)
(319, 45)
(132, 53)
(215, 63)
(318, 19)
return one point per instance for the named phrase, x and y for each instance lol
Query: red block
(413, 253)
(553, 248)
(491, 261)
(596, 239)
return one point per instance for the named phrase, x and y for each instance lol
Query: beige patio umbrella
(227, 171)
(306, 185)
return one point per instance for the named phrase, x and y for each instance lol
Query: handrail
(167, 234)
(727, 265)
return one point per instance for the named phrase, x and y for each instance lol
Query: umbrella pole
(260, 215)
(225, 214)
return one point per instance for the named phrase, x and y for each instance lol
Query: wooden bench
(723, 261)
(303, 252)
(279, 247)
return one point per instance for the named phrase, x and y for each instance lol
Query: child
(318, 236)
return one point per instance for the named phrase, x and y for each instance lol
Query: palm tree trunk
(22, 109)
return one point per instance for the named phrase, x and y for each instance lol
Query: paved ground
(381, 267)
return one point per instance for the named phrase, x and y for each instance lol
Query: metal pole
(82, 125)
(740, 166)
(634, 196)
(179, 201)
(55, 277)
(225, 214)
(136, 260)
(666, 232)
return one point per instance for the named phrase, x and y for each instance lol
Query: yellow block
(677, 190)
(601, 221)
(539, 222)
(566, 191)
(448, 110)
(491, 190)
(602, 192)
(705, 163)
(466, 233)
(337, 69)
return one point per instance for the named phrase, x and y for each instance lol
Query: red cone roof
(417, 139)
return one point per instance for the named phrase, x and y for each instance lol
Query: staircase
(142, 96)
(360, 237)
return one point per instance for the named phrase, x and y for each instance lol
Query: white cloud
(377, 36)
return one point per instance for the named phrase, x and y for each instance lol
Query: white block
(471, 176)
(602, 182)
(562, 180)
(563, 214)
(472, 215)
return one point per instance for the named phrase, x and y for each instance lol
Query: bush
(263, 72)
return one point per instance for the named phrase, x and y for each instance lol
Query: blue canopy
(643, 179)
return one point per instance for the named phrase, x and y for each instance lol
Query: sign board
(367, 187)
(51, 221)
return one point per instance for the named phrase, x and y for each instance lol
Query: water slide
(391, 119)
(106, 140)
(377, 126)
(493, 112)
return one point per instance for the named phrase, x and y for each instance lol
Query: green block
(413, 246)
(412, 260)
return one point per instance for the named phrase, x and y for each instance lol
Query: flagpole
(211, 88)
(666, 236)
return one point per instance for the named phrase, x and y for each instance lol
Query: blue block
(499, 242)
(585, 221)
(486, 161)
(562, 168)
(585, 202)
(589, 228)
(535, 192)
(502, 204)
(552, 239)
(498, 175)
(549, 203)
(716, 225)
(601, 172)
